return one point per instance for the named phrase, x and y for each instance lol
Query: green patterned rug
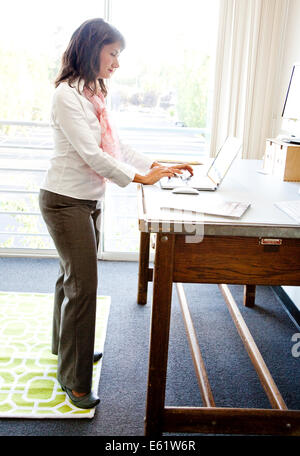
(28, 385)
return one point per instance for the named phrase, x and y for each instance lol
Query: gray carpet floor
(123, 380)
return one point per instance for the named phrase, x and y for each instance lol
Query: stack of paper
(223, 208)
(292, 208)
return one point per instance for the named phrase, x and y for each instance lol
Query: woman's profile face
(109, 60)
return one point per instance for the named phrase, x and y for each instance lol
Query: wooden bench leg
(249, 295)
(143, 268)
(159, 335)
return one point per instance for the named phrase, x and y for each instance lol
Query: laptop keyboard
(180, 180)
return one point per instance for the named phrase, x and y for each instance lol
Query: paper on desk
(291, 208)
(224, 208)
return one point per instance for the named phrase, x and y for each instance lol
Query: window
(160, 99)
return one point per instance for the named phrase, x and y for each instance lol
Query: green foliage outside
(25, 224)
(193, 92)
(25, 86)
(179, 89)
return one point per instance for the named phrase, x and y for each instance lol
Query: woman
(86, 154)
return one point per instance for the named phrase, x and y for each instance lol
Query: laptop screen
(224, 159)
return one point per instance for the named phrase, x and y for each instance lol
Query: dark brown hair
(81, 59)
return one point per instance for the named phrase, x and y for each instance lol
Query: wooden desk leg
(249, 295)
(143, 268)
(159, 337)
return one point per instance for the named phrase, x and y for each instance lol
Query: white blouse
(78, 160)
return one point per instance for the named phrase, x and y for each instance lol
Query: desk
(261, 248)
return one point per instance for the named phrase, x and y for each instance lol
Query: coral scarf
(109, 138)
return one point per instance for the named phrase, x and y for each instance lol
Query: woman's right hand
(154, 175)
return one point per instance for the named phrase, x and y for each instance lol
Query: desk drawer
(240, 260)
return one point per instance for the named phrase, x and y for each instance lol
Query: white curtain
(248, 61)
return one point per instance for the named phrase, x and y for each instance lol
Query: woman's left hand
(176, 168)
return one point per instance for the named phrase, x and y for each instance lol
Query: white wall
(291, 55)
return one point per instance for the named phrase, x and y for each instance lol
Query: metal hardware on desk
(266, 241)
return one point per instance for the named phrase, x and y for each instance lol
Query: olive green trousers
(74, 226)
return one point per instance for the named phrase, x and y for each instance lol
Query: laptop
(215, 173)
